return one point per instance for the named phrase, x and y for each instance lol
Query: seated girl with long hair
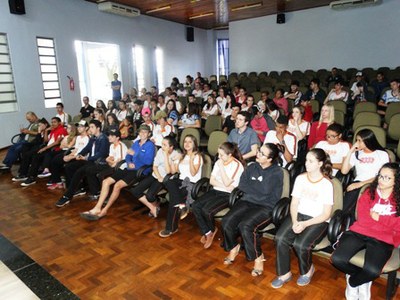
(377, 230)
(224, 178)
(310, 210)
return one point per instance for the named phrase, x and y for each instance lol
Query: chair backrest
(339, 105)
(193, 131)
(286, 184)
(392, 109)
(314, 106)
(213, 123)
(379, 132)
(337, 195)
(392, 156)
(398, 150)
(76, 119)
(394, 127)
(339, 117)
(257, 96)
(290, 105)
(364, 106)
(182, 100)
(207, 167)
(216, 138)
(366, 118)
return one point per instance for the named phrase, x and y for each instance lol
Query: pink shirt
(260, 124)
(282, 103)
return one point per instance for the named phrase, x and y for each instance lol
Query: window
(97, 62)
(223, 57)
(138, 59)
(49, 71)
(8, 99)
(160, 69)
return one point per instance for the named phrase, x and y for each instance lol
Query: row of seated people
(261, 182)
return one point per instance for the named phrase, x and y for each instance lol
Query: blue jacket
(144, 155)
(101, 149)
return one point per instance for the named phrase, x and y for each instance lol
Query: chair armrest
(16, 138)
(337, 225)
(235, 196)
(119, 164)
(203, 182)
(280, 211)
(68, 151)
(345, 179)
(170, 176)
(142, 169)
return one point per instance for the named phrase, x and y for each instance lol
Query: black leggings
(244, 219)
(377, 253)
(149, 183)
(205, 208)
(302, 244)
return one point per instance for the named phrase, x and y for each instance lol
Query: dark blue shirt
(101, 149)
(144, 155)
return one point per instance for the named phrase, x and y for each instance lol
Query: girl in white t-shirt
(334, 146)
(367, 156)
(224, 178)
(189, 168)
(210, 108)
(164, 163)
(221, 100)
(297, 125)
(310, 209)
(57, 162)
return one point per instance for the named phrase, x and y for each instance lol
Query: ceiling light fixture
(158, 9)
(201, 16)
(247, 6)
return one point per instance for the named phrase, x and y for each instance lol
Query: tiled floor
(22, 278)
(11, 287)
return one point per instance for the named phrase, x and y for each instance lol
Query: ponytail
(322, 156)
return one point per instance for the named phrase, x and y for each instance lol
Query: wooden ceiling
(219, 12)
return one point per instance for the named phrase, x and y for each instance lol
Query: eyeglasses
(331, 136)
(384, 178)
(259, 152)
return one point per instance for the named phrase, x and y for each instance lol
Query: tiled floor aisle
(11, 287)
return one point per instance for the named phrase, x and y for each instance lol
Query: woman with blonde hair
(318, 129)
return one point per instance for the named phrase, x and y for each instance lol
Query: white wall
(318, 38)
(69, 20)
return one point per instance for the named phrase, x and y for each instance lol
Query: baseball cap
(160, 114)
(359, 74)
(114, 132)
(82, 123)
(146, 111)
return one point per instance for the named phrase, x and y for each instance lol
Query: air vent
(118, 9)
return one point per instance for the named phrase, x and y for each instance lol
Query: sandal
(257, 271)
(88, 215)
(151, 215)
(228, 260)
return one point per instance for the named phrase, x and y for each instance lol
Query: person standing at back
(116, 88)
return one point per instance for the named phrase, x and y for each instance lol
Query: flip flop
(90, 217)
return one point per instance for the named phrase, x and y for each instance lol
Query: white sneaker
(352, 293)
(365, 291)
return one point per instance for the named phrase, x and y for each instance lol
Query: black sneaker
(28, 182)
(79, 192)
(19, 178)
(63, 201)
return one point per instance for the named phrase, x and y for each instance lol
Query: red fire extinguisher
(71, 83)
